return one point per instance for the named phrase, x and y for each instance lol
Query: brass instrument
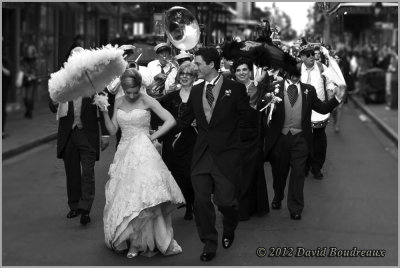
(156, 90)
(183, 32)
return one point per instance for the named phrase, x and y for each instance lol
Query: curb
(28, 146)
(389, 132)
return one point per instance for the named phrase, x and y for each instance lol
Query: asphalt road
(354, 206)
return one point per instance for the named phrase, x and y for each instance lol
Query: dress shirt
(154, 68)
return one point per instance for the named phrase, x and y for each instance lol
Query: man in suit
(288, 138)
(78, 144)
(216, 104)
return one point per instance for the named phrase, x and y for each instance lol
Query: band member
(288, 137)
(311, 73)
(161, 69)
(182, 57)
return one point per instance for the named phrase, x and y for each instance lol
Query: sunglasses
(309, 54)
(186, 74)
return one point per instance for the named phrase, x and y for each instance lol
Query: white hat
(183, 56)
(160, 46)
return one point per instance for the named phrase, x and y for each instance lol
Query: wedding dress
(141, 192)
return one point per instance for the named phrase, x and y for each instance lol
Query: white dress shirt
(154, 68)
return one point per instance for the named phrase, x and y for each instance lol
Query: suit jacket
(310, 102)
(90, 123)
(221, 135)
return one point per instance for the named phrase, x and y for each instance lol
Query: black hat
(305, 46)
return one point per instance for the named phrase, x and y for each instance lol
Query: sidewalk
(25, 134)
(385, 119)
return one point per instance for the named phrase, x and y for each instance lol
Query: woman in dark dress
(177, 149)
(253, 196)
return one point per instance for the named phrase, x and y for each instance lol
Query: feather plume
(262, 55)
(86, 72)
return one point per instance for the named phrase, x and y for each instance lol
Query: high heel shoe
(131, 255)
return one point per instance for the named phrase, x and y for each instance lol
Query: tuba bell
(181, 28)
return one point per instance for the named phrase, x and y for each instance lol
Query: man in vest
(311, 73)
(288, 138)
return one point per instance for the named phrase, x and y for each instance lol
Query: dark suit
(79, 148)
(216, 158)
(290, 151)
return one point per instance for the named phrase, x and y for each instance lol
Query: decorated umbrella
(86, 72)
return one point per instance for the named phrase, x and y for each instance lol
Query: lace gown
(141, 192)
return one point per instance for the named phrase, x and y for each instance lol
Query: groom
(216, 104)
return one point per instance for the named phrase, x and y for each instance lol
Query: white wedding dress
(141, 192)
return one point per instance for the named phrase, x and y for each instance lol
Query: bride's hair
(131, 78)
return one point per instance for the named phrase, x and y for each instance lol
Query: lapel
(280, 107)
(304, 102)
(221, 91)
(199, 99)
(85, 102)
(224, 87)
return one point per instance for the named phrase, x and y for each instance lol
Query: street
(355, 205)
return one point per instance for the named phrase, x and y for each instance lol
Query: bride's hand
(157, 145)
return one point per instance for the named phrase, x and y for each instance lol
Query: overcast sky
(296, 10)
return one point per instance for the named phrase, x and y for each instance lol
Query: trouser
(207, 179)
(29, 99)
(317, 156)
(289, 153)
(79, 159)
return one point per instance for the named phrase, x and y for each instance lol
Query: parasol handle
(90, 80)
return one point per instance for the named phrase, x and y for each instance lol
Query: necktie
(209, 94)
(162, 69)
(292, 93)
(309, 75)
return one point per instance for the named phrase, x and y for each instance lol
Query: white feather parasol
(86, 72)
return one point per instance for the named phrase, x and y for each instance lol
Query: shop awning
(244, 22)
(359, 8)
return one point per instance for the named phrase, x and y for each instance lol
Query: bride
(141, 192)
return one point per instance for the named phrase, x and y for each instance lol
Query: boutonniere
(228, 93)
(306, 92)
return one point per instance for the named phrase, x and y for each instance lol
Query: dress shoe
(295, 216)
(85, 219)
(73, 213)
(276, 204)
(207, 256)
(227, 240)
(318, 175)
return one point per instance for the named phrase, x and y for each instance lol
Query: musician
(161, 68)
(288, 137)
(311, 73)
(182, 57)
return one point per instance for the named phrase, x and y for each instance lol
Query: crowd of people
(190, 136)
